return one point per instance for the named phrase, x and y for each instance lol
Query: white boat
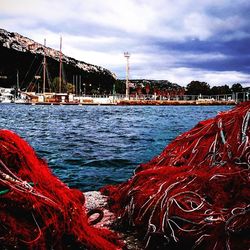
(6, 96)
(20, 101)
(6, 101)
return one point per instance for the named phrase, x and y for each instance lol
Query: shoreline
(175, 102)
(137, 103)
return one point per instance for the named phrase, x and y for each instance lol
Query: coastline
(175, 102)
(138, 103)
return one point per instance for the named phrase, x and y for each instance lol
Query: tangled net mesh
(196, 193)
(37, 210)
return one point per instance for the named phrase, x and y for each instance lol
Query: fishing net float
(196, 193)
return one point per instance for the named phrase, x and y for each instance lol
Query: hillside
(152, 86)
(19, 53)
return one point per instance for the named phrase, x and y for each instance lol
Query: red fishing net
(38, 211)
(196, 193)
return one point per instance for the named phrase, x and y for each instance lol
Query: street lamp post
(127, 55)
(90, 86)
(84, 86)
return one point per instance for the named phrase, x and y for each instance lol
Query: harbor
(10, 95)
(48, 77)
(124, 125)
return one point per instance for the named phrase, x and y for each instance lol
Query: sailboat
(43, 94)
(49, 97)
(61, 97)
(31, 96)
(19, 97)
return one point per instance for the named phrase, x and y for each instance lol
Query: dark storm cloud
(236, 54)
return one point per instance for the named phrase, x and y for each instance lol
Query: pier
(7, 95)
(69, 99)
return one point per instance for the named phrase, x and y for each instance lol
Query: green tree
(219, 90)
(70, 88)
(197, 87)
(54, 84)
(120, 86)
(237, 87)
(66, 87)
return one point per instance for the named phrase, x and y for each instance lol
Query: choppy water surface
(90, 146)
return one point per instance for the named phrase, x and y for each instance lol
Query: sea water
(88, 147)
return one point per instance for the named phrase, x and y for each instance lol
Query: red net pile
(196, 193)
(38, 211)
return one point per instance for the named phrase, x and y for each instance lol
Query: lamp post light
(127, 55)
(84, 86)
(90, 87)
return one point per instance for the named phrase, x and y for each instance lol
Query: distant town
(141, 92)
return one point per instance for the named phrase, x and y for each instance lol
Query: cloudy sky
(179, 40)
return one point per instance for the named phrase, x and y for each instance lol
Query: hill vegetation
(24, 56)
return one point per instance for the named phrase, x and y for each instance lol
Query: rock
(25, 54)
(95, 200)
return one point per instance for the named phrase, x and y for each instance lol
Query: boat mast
(17, 79)
(44, 67)
(17, 84)
(60, 67)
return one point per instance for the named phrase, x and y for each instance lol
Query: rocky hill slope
(19, 53)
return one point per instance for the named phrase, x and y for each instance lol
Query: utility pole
(127, 55)
(44, 66)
